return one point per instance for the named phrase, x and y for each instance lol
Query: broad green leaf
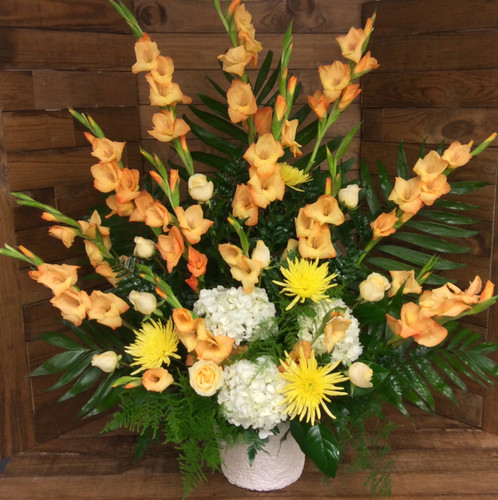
(447, 370)
(100, 394)
(433, 244)
(418, 258)
(83, 383)
(301, 114)
(60, 340)
(418, 384)
(217, 87)
(73, 371)
(81, 333)
(343, 146)
(59, 362)
(308, 133)
(440, 229)
(433, 377)
(368, 189)
(389, 264)
(270, 83)
(220, 124)
(465, 187)
(457, 338)
(402, 163)
(212, 139)
(455, 205)
(217, 107)
(319, 443)
(209, 159)
(386, 185)
(447, 217)
(263, 72)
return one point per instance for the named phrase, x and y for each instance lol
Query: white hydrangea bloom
(234, 313)
(347, 349)
(250, 397)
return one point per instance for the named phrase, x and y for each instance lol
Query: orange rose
(73, 305)
(241, 101)
(335, 78)
(407, 278)
(57, 277)
(167, 127)
(146, 53)
(192, 223)
(264, 155)
(63, 233)
(457, 154)
(171, 247)
(106, 309)
(243, 205)
(197, 262)
(413, 323)
(104, 149)
(351, 44)
(265, 190)
(384, 224)
(106, 176)
(235, 60)
(157, 379)
(406, 194)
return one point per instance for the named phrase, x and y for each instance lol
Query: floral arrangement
(261, 293)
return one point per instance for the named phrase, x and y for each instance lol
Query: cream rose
(106, 361)
(143, 302)
(199, 188)
(144, 248)
(205, 377)
(262, 253)
(360, 375)
(374, 287)
(349, 195)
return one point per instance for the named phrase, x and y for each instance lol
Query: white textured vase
(278, 465)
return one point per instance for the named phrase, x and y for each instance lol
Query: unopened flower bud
(199, 188)
(144, 248)
(262, 253)
(106, 361)
(143, 302)
(349, 195)
(374, 287)
(360, 375)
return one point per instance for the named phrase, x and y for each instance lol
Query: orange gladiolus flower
(425, 331)
(319, 103)
(235, 60)
(197, 262)
(106, 309)
(434, 189)
(488, 291)
(214, 348)
(105, 270)
(325, 211)
(157, 215)
(335, 78)
(166, 127)
(106, 176)
(457, 154)
(104, 149)
(164, 95)
(63, 233)
(246, 31)
(366, 64)
(407, 278)
(146, 52)
(318, 245)
(157, 379)
(163, 71)
(192, 223)
(243, 206)
(143, 202)
(171, 247)
(90, 228)
(430, 167)
(231, 254)
(128, 187)
(262, 120)
(57, 277)
(266, 190)
(304, 224)
(264, 155)
(247, 273)
(289, 130)
(241, 101)
(72, 304)
(349, 94)
(352, 43)
(335, 330)
(406, 194)
(183, 320)
(122, 209)
(384, 224)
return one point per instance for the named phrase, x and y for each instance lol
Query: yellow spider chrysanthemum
(155, 344)
(292, 176)
(308, 386)
(305, 280)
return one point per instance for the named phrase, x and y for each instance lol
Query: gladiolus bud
(143, 302)
(291, 85)
(106, 361)
(144, 248)
(360, 375)
(49, 217)
(280, 107)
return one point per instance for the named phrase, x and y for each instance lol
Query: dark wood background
(438, 78)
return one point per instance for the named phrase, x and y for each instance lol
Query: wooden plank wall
(55, 54)
(438, 81)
